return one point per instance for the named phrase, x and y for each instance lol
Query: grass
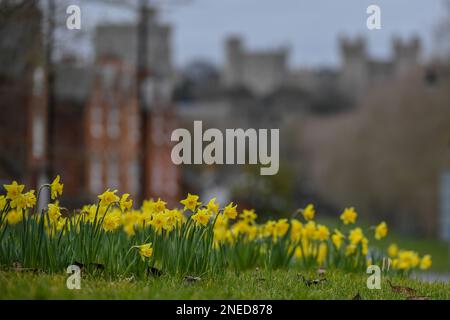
(279, 284)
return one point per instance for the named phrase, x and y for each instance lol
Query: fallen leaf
(400, 289)
(310, 282)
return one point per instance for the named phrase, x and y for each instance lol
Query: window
(165, 91)
(158, 130)
(95, 175)
(133, 177)
(96, 122)
(133, 128)
(113, 174)
(108, 76)
(113, 122)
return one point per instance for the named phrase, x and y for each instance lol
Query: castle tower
(233, 63)
(355, 72)
(406, 54)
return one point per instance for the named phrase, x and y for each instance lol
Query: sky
(309, 28)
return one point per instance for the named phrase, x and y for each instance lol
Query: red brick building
(97, 141)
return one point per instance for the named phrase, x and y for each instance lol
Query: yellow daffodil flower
(56, 188)
(349, 215)
(230, 211)
(108, 197)
(191, 202)
(309, 212)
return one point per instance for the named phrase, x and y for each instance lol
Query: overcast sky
(310, 28)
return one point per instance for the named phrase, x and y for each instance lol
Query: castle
(264, 72)
(259, 71)
(359, 71)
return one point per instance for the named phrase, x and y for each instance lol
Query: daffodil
(296, 230)
(393, 250)
(408, 259)
(14, 217)
(220, 236)
(355, 236)
(309, 229)
(30, 199)
(213, 206)
(349, 216)
(322, 233)
(125, 203)
(191, 202)
(61, 224)
(425, 262)
(54, 212)
(381, 231)
(337, 238)
(268, 228)
(364, 245)
(13, 190)
(281, 227)
(221, 222)
(56, 188)
(158, 222)
(145, 250)
(171, 219)
(309, 212)
(298, 252)
(19, 202)
(24, 200)
(201, 217)
(129, 229)
(108, 197)
(248, 215)
(230, 211)
(2, 202)
(350, 249)
(159, 206)
(148, 206)
(130, 218)
(322, 253)
(111, 221)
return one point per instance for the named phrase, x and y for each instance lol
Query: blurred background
(364, 116)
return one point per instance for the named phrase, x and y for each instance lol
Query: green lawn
(248, 285)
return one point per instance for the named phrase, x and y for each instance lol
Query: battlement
(353, 48)
(261, 71)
